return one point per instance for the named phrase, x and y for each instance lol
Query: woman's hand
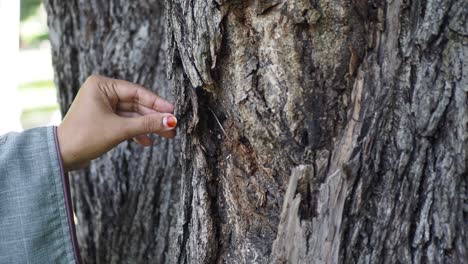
(106, 112)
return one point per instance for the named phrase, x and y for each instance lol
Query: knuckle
(93, 78)
(135, 107)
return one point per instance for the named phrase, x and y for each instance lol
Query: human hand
(106, 112)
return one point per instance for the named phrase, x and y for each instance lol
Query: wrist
(63, 149)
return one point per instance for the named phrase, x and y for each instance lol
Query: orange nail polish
(170, 121)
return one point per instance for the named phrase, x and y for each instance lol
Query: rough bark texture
(324, 131)
(125, 201)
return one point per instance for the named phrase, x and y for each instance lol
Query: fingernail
(169, 121)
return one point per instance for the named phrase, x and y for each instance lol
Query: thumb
(150, 123)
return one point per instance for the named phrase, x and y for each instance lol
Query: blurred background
(28, 95)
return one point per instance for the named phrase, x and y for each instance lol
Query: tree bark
(325, 131)
(125, 201)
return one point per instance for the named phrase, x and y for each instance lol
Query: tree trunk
(311, 131)
(125, 202)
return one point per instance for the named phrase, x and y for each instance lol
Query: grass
(43, 109)
(33, 40)
(38, 95)
(38, 116)
(39, 103)
(42, 84)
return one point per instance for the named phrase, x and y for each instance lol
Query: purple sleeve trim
(68, 204)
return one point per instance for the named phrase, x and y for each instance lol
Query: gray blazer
(36, 223)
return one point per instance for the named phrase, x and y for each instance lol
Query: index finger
(131, 92)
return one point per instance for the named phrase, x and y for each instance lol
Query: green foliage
(29, 8)
(33, 30)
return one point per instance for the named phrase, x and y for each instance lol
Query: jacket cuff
(67, 198)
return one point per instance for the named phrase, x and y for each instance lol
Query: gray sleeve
(35, 225)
